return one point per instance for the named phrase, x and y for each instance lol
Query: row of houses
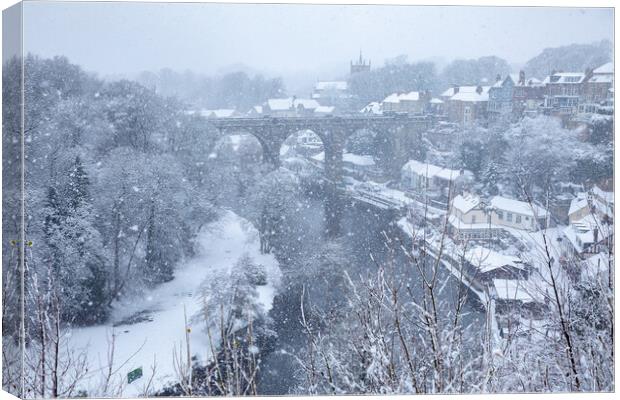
(564, 94)
(481, 225)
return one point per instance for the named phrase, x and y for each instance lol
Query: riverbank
(147, 329)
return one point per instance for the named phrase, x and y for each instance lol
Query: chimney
(498, 78)
(479, 89)
(521, 78)
(456, 89)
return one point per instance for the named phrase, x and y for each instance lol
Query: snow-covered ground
(158, 317)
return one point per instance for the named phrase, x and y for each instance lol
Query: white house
(469, 218)
(289, 107)
(411, 103)
(432, 179)
(517, 214)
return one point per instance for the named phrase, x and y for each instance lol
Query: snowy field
(147, 329)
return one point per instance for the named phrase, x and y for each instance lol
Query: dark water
(364, 231)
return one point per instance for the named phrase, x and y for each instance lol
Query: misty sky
(125, 38)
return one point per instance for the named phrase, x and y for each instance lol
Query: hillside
(574, 57)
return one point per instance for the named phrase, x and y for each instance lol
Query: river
(363, 230)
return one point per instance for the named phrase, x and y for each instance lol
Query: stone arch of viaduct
(271, 133)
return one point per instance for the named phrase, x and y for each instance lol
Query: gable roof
(465, 203)
(372, 108)
(397, 98)
(430, 170)
(514, 78)
(463, 89)
(518, 207)
(581, 233)
(472, 97)
(607, 68)
(603, 195)
(487, 260)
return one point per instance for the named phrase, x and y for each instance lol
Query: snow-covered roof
(605, 196)
(255, 110)
(515, 289)
(464, 89)
(578, 203)
(531, 81)
(465, 203)
(567, 77)
(372, 108)
(601, 201)
(581, 233)
(331, 85)
(472, 97)
(448, 92)
(602, 78)
(518, 207)
(430, 170)
(487, 260)
(291, 102)
(397, 98)
(499, 83)
(324, 109)
(435, 100)
(219, 113)
(607, 68)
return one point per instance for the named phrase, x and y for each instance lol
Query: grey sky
(124, 38)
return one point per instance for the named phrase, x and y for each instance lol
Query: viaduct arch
(271, 133)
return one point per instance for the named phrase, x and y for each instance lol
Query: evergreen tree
(77, 190)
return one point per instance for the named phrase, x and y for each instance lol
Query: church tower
(360, 65)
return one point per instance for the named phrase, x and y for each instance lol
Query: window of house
(473, 219)
(500, 215)
(518, 219)
(509, 217)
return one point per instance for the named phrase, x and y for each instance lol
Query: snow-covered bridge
(333, 131)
